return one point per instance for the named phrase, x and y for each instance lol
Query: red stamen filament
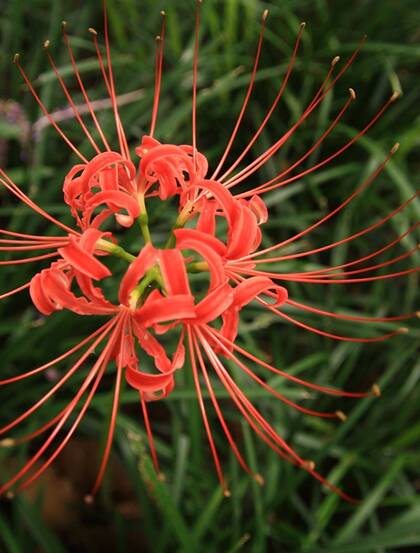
(287, 376)
(16, 191)
(46, 112)
(329, 215)
(58, 359)
(15, 291)
(266, 386)
(239, 398)
(246, 100)
(304, 307)
(97, 371)
(58, 385)
(114, 413)
(160, 49)
(204, 414)
(69, 98)
(120, 129)
(267, 186)
(274, 104)
(195, 75)
(83, 89)
(216, 406)
(263, 158)
(29, 259)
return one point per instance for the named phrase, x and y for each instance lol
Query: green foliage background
(375, 454)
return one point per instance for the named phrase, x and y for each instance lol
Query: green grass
(374, 454)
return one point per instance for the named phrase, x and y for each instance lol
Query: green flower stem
(143, 219)
(115, 250)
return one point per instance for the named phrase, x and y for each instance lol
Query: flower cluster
(216, 235)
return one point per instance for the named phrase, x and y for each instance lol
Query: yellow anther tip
(7, 442)
(308, 465)
(376, 391)
(340, 415)
(259, 479)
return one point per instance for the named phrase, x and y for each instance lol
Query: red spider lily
(155, 293)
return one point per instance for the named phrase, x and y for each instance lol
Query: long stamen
(15, 291)
(45, 111)
(204, 414)
(102, 365)
(231, 386)
(265, 156)
(195, 75)
(222, 421)
(273, 106)
(247, 97)
(58, 385)
(267, 387)
(280, 313)
(16, 191)
(69, 97)
(58, 359)
(96, 371)
(34, 237)
(111, 93)
(121, 134)
(271, 437)
(339, 337)
(149, 433)
(304, 307)
(331, 214)
(327, 132)
(160, 48)
(267, 186)
(29, 259)
(113, 419)
(34, 243)
(323, 389)
(315, 274)
(82, 86)
(340, 281)
(358, 260)
(31, 246)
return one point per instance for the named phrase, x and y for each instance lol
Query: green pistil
(179, 223)
(153, 275)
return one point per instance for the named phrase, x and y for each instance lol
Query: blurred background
(375, 454)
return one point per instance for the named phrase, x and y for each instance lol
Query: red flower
(222, 240)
